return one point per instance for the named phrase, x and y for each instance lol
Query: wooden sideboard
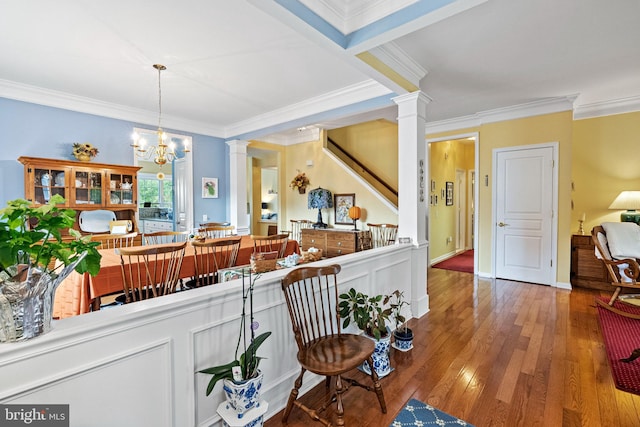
(335, 242)
(587, 271)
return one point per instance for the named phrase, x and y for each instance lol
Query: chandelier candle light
(162, 153)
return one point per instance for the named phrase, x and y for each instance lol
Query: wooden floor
(497, 353)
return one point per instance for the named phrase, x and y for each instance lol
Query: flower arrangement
(300, 182)
(245, 365)
(84, 152)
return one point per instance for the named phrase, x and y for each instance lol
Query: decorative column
(238, 215)
(413, 191)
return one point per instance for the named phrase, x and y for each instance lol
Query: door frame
(476, 196)
(554, 202)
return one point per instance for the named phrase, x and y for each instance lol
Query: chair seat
(333, 355)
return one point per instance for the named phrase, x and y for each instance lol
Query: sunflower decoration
(84, 151)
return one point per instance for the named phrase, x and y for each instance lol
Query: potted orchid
(241, 377)
(403, 335)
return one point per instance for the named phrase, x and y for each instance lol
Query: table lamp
(629, 200)
(320, 199)
(354, 214)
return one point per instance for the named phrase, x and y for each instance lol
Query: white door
(524, 205)
(183, 194)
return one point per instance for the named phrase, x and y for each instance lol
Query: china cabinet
(84, 185)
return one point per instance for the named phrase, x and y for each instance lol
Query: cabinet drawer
(339, 250)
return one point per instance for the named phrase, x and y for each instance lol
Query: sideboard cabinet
(587, 271)
(84, 185)
(334, 242)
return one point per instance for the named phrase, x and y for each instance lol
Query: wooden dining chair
(311, 294)
(161, 237)
(296, 228)
(217, 231)
(275, 243)
(150, 271)
(214, 224)
(211, 256)
(383, 234)
(113, 241)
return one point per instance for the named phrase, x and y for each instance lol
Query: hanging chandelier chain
(160, 68)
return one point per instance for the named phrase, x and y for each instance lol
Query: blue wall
(39, 131)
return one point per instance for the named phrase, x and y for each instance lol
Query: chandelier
(163, 152)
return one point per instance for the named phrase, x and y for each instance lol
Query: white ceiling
(248, 68)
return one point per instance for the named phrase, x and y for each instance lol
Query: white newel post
(238, 185)
(413, 174)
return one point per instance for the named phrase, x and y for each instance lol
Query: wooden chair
(213, 224)
(161, 237)
(622, 272)
(277, 243)
(114, 241)
(312, 299)
(296, 226)
(211, 256)
(383, 234)
(150, 271)
(217, 231)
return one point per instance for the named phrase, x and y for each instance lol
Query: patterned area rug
(416, 413)
(621, 336)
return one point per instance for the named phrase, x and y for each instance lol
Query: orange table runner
(75, 293)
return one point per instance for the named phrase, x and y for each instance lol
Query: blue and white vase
(403, 341)
(244, 396)
(381, 362)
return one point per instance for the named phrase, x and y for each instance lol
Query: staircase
(366, 172)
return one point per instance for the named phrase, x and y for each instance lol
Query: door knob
(502, 224)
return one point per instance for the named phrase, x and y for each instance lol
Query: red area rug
(462, 262)
(621, 336)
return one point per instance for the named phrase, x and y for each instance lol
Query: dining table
(76, 294)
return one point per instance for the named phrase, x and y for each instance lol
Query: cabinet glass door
(121, 189)
(48, 182)
(88, 187)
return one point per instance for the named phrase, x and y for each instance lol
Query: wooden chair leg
(377, 387)
(339, 406)
(293, 396)
(614, 297)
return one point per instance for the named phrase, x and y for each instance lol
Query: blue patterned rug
(416, 413)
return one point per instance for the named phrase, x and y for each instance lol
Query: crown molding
(607, 108)
(399, 61)
(66, 101)
(358, 92)
(529, 109)
(302, 135)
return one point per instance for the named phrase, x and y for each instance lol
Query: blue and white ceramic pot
(241, 397)
(381, 362)
(403, 340)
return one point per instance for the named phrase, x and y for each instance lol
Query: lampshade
(629, 200)
(320, 198)
(355, 212)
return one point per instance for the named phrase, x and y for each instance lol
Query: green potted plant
(403, 335)
(241, 377)
(34, 259)
(370, 314)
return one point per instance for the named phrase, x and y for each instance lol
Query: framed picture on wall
(341, 205)
(209, 188)
(449, 193)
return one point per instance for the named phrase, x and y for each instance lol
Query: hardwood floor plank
(498, 353)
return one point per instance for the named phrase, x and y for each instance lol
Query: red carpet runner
(621, 336)
(462, 262)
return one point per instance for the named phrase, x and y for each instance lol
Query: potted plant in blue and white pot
(371, 316)
(242, 380)
(403, 335)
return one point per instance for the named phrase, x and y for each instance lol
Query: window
(157, 192)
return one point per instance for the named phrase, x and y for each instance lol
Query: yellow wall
(375, 144)
(606, 161)
(326, 173)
